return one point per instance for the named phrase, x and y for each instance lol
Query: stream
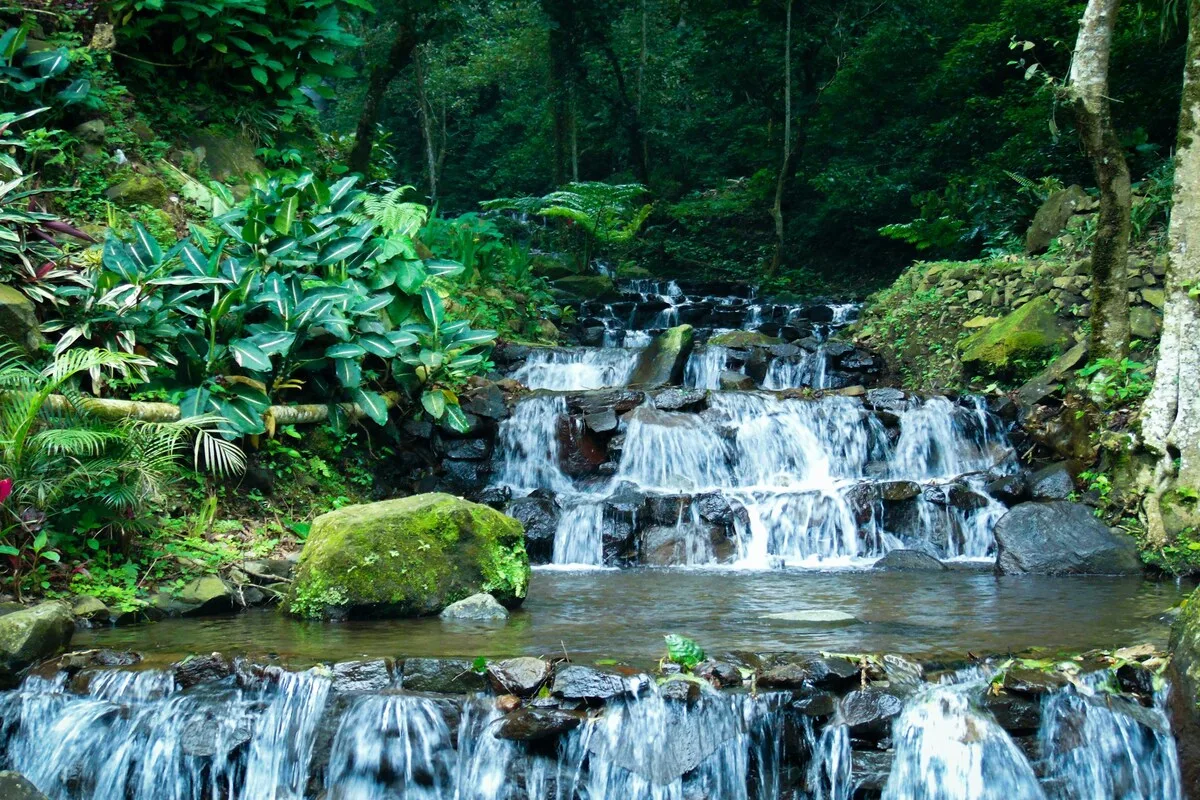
(748, 519)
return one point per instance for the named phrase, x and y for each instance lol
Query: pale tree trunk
(1171, 414)
(1088, 89)
(428, 125)
(781, 183)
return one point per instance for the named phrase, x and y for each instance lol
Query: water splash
(529, 444)
(577, 369)
(705, 366)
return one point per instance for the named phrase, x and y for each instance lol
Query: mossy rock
(31, 635)
(1185, 653)
(409, 557)
(743, 339)
(1031, 333)
(664, 361)
(139, 190)
(586, 287)
(227, 157)
(18, 321)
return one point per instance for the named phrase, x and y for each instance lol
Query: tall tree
(1171, 415)
(786, 165)
(399, 56)
(1088, 89)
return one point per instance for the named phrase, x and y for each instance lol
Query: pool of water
(624, 615)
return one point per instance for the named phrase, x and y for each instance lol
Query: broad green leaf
(193, 259)
(373, 404)
(348, 372)
(287, 214)
(259, 74)
(277, 343)
(372, 304)
(401, 339)
(75, 92)
(377, 345)
(145, 249)
(48, 62)
(242, 416)
(472, 338)
(431, 304)
(344, 350)
(434, 402)
(340, 250)
(249, 356)
(443, 268)
(456, 418)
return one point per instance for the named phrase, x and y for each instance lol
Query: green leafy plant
(1115, 382)
(27, 72)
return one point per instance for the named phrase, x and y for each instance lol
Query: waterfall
(576, 369)
(705, 366)
(283, 740)
(579, 538)
(529, 446)
(796, 373)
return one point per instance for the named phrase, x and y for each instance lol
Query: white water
(579, 368)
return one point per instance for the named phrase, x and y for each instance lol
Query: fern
(392, 214)
(612, 214)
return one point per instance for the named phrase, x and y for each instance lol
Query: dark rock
(1061, 538)
(714, 507)
(736, 381)
(956, 495)
(909, 561)
(871, 769)
(14, 786)
(209, 736)
(466, 476)
(869, 712)
(573, 682)
(1055, 482)
(93, 659)
(817, 705)
(601, 422)
(520, 676)
(362, 676)
(887, 399)
(677, 399)
(1136, 679)
(810, 672)
(535, 724)
(1017, 715)
(902, 673)
(539, 515)
(721, 674)
(445, 675)
(1033, 682)
(464, 449)
(495, 496)
(1009, 489)
(895, 491)
(664, 361)
(486, 401)
(1052, 218)
(677, 545)
(195, 670)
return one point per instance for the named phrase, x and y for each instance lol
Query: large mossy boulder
(1061, 538)
(228, 158)
(585, 287)
(664, 361)
(409, 557)
(743, 339)
(32, 634)
(1031, 333)
(18, 322)
(139, 190)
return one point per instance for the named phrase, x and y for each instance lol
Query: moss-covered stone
(139, 190)
(1053, 217)
(18, 322)
(28, 636)
(227, 157)
(408, 557)
(586, 287)
(1031, 333)
(664, 361)
(743, 339)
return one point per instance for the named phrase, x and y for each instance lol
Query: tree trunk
(627, 111)
(1110, 254)
(560, 43)
(428, 132)
(399, 56)
(1171, 415)
(781, 182)
(166, 412)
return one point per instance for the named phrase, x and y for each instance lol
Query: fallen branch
(308, 414)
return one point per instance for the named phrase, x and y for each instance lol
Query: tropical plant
(607, 215)
(286, 50)
(1116, 381)
(52, 447)
(26, 72)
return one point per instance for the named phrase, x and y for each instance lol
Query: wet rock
(869, 712)
(535, 724)
(1055, 482)
(495, 496)
(677, 545)
(956, 495)
(539, 515)
(90, 610)
(619, 400)
(721, 674)
(810, 672)
(408, 557)
(1009, 489)
(716, 508)
(887, 399)
(679, 689)
(871, 769)
(1136, 679)
(507, 703)
(466, 476)
(464, 449)
(195, 670)
(896, 491)
(520, 676)
(664, 361)
(602, 421)
(1033, 682)
(14, 786)
(821, 705)
(736, 381)
(362, 676)
(476, 608)
(1017, 715)
(207, 595)
(486, 401)
(207, 735)
(444, 675)
(573, 682)
(677, 399)
(97, 659)
(33, 634)
(1061, 538)
(902, 672)
(909, 561)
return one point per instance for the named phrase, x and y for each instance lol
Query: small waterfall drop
(577, 369)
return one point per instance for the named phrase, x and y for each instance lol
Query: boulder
(539, 516)
(445, 675)
(1032, 332)
(30, 635)
(586, 287)
(476, 608)
(664, 361)
(535, 724)
(572, 682)
(810, 672)
(1061, 538)
(18, 322)
(362, 676)
(408, 557)
(228, 158)
(1052, 218)
(15, 786)
(89, 610)
(1144, 323)
(743, 339)
(676, 399)
(195, 670)
(207, 595)
(869, 713)
(909, 561)
(520, 676)
(736, 381)
(139, 190)
(1055, 482)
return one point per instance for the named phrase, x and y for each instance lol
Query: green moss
(743, 339)
(1029, 333)
(409, 557)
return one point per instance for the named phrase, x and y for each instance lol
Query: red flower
(5, 489)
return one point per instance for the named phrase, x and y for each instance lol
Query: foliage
(1117, 382)
(26, 75)
(285, 50)
(54, 450)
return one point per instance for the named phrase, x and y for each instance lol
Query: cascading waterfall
(577, 369)
(800, 371)
(529, 444)
(705, 366)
